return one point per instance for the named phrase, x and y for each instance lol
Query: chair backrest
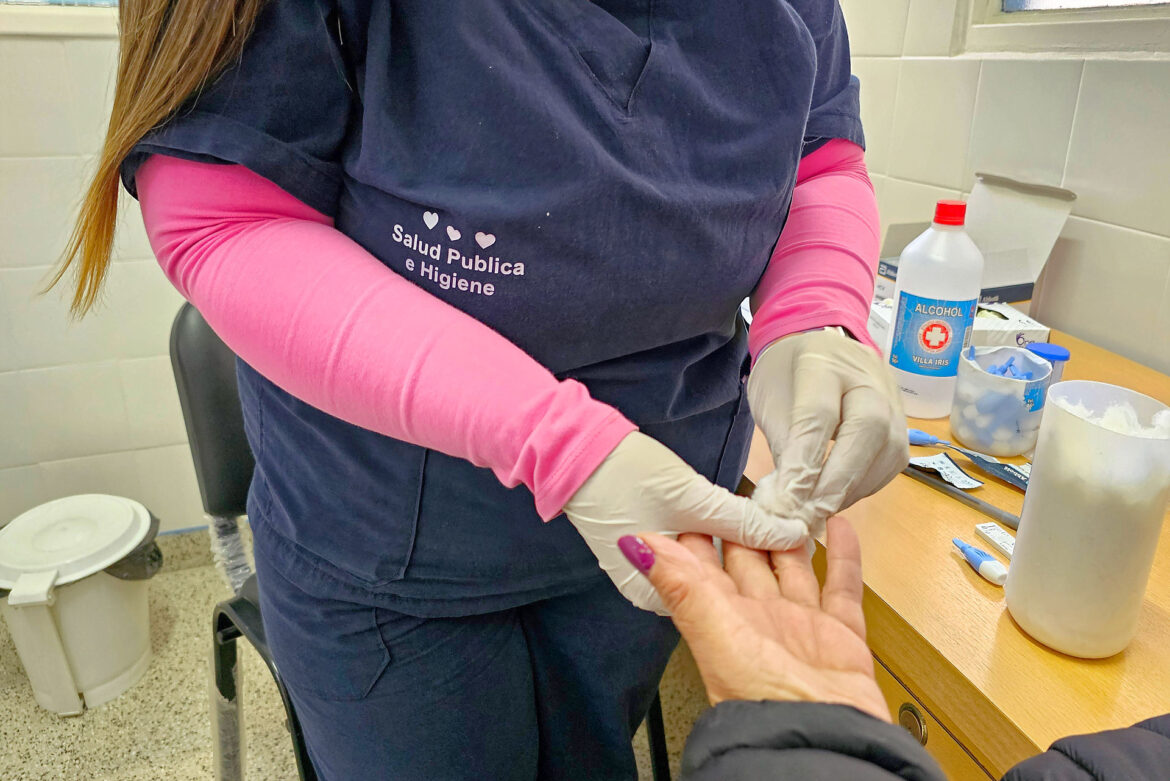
(205, 373)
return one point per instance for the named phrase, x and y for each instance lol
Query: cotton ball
(965, 434)
(969, 412)
(1121, 418)
(1161, 423)
(773, 498)
(770, 495)
(1077, 408)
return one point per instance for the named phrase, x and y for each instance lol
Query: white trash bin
(75, 571)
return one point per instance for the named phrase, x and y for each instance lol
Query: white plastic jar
(1091, 520)
(999, 414)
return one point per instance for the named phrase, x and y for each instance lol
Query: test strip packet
(947, 469)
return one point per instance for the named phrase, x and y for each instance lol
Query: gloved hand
(642, 486)
(807, 389)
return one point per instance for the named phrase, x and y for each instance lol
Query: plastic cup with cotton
(1092, 516)
(999, 398)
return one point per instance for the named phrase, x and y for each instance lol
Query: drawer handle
(911, 718)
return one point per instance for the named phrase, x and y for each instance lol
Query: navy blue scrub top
(601, 182)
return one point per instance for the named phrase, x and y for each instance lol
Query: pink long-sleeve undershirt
(823, 268)
(319, 316)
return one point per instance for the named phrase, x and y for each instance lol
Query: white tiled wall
(85, 406)
(1097, 127)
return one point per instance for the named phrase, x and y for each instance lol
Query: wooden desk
(945, 635)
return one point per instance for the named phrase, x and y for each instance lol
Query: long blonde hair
(168, 51)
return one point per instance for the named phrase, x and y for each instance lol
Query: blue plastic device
(982, 562)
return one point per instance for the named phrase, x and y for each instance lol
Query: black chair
(205, 373)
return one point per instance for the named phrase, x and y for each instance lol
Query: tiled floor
(160, 727)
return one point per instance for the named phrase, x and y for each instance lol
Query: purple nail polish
(638, 552)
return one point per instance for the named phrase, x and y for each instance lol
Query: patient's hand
(764, 630)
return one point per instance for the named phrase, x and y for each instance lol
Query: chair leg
(300, 750)
(227, 713)
(656, 734)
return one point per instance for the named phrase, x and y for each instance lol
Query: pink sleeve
(319, 316)
(823, 268)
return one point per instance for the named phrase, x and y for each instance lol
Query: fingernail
(637, 552)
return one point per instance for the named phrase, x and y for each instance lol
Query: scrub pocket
(328, 648)
(614, 54)
(347, 500)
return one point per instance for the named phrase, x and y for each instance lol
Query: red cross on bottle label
(934, 336)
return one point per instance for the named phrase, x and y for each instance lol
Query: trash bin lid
(77, 536)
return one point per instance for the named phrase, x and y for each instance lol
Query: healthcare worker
(482, 264)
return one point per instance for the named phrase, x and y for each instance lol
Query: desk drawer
(955, 761)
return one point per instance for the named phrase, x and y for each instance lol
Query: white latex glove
(807, 389)
(642, 486)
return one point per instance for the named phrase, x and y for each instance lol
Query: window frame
(62, 21)
(1137, 32)
(1089, 5)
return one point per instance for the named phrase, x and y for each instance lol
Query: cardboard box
(995, 325)
(1014, 224)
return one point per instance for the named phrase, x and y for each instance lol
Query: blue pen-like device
(982, 562)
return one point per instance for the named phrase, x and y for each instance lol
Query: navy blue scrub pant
(549, 690)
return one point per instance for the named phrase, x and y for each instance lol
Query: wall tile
(132, 320)
(107, 473)
(21, 489)
(1023, 119)
(75, 411)
(152, 403)
(18, 437)
(932, 120)
(37, 121)
(143, 301)
(92, 66)
(879, 185)
(1162, 363)
(130, 240)
(1118, 163)
(22, 316)
(169, 488)
(930, 26)
(876, 27)
(1108, 285)
(39, 197)
(879, 91)
(909, 202)
(43, 333)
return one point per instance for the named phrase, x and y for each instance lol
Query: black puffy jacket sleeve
(766, 741)
(762, 741)
(1137, 753)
